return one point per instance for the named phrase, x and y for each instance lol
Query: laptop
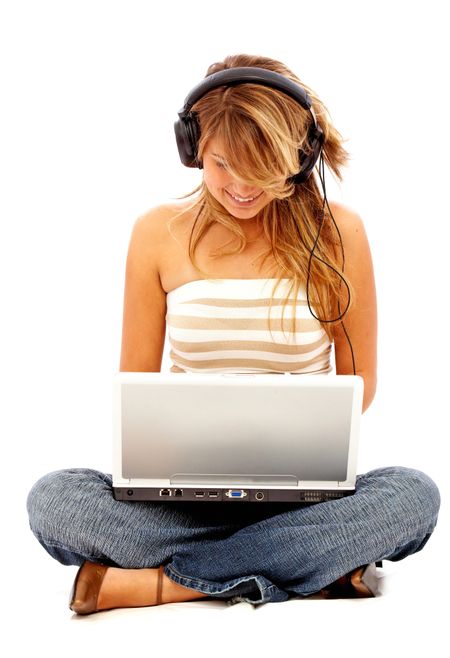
(235, 438)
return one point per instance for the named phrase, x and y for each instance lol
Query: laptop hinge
(233, 479)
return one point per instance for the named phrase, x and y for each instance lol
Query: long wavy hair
(261, 131)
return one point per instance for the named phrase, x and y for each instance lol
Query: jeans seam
(217, 589)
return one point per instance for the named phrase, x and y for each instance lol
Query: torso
(176, 269)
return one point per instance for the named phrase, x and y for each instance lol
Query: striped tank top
(222, 325)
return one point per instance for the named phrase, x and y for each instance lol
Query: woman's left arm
(361, 320)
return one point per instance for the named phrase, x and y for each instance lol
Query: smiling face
(225, 188)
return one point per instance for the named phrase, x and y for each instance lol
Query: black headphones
(187, 129)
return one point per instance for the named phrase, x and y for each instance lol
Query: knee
(417, 492)
(419, 484)
(51, 497)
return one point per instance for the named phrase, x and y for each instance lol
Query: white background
(89, 94)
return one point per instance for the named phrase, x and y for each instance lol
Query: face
(225, 188)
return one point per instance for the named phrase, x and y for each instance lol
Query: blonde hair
(271, 129)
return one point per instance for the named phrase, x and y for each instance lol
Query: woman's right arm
(144, 310)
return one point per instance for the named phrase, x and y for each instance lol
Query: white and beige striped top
(222, 325)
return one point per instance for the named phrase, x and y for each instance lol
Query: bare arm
(361, 320)
(144, 311)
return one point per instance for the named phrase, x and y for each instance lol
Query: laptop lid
(235, 437)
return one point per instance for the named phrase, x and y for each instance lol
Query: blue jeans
(250, 552)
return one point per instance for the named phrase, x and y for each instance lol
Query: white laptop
(182, 437)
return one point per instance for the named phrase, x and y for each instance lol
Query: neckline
(188, 283)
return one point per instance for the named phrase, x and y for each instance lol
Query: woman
(246, 277)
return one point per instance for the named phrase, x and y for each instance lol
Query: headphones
(187, 128)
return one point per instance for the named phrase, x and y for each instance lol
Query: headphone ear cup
(316, 139)
(187, 133)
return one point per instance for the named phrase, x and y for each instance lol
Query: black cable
(312, 255)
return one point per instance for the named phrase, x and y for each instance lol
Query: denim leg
(75, 517)
(303, 549)
(251, 552)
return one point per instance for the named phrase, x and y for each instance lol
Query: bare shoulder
(347, 219)
(153, 220)
(156, 224)
(352, 231)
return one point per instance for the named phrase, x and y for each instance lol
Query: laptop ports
(178, 492)
(213, 494)
(199, 494)
(164, 492)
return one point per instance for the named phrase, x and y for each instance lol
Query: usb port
(213, 494)
(199, 494)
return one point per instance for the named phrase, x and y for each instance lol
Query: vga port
(236, 493)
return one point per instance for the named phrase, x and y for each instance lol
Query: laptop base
(217, 494)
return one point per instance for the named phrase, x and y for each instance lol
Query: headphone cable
(312, 255)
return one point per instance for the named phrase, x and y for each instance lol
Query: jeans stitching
(217, 589)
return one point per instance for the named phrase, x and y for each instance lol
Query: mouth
(243, 203)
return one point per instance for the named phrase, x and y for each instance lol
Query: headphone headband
(187, 128)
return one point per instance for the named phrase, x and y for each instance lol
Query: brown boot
(359, 583)
(86, 587)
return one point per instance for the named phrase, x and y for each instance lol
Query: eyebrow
(218, 156)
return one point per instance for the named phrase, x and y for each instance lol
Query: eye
(220, 165)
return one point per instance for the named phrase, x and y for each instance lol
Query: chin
(246, 213)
